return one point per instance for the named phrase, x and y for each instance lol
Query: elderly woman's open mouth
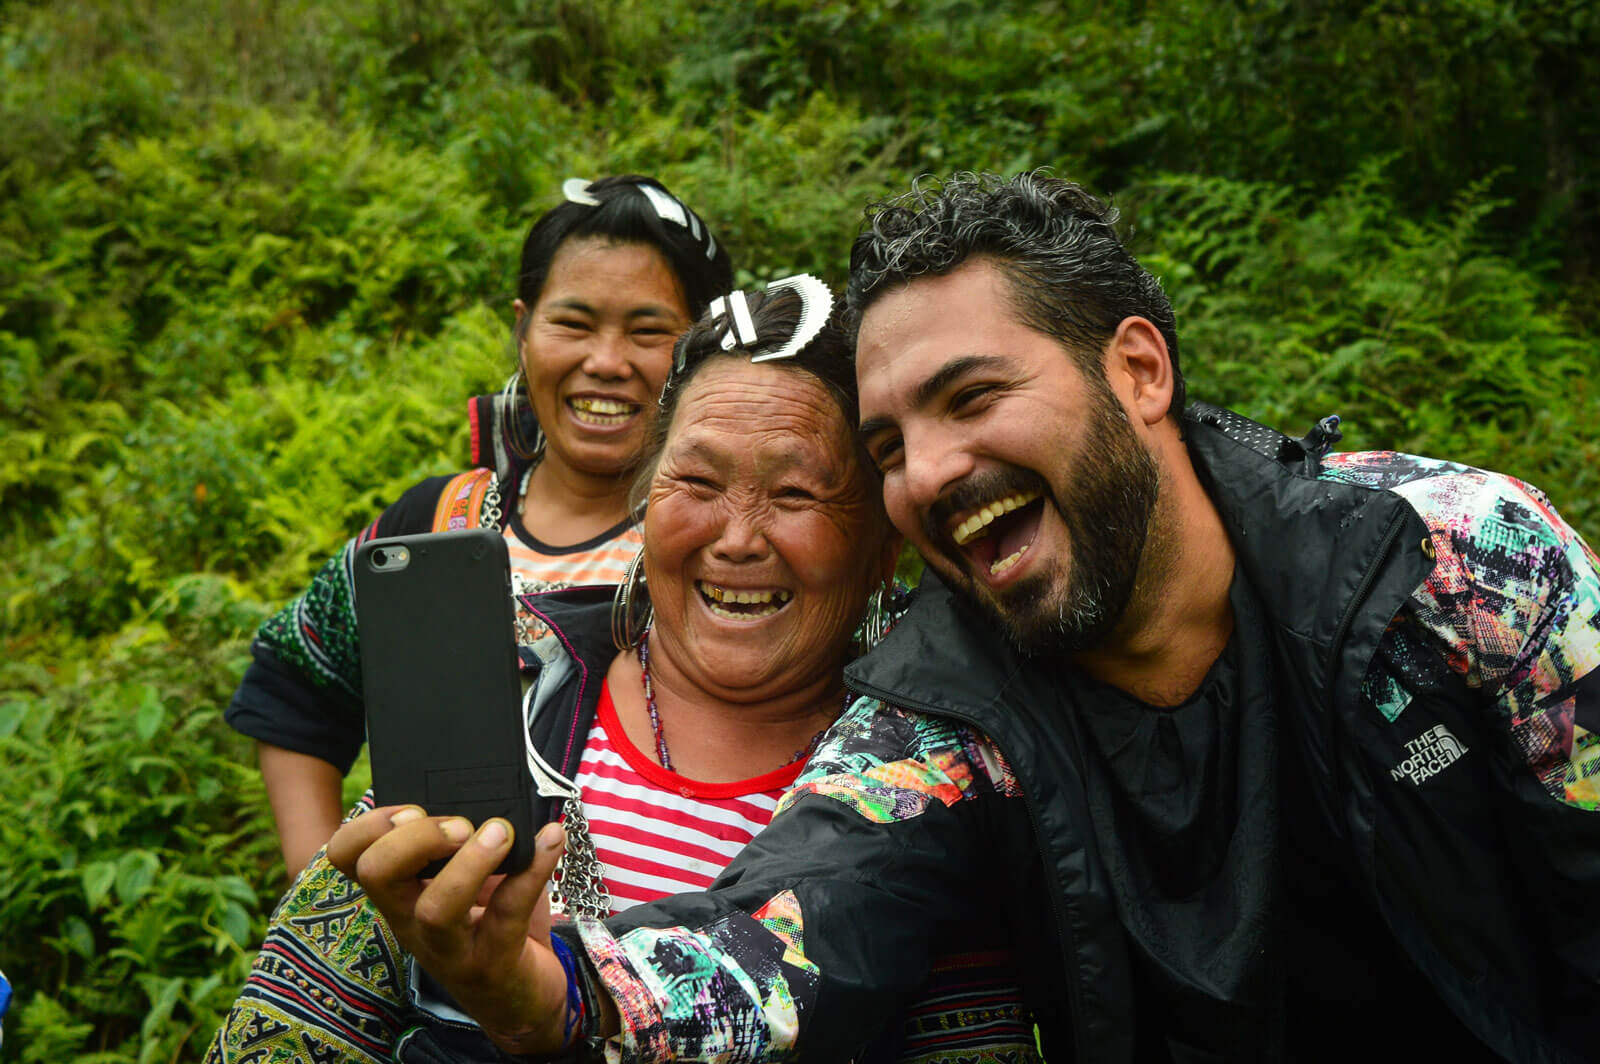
(742, 603)
(602, 411)
(996, 535)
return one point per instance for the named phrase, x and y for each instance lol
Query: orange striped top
(537, 566)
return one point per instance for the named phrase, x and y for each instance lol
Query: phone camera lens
(380, 558)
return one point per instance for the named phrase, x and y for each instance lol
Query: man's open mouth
(742, 602)
(597, 411)
(996, 535)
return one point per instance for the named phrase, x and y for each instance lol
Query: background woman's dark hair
(775, 316)
(627, 214)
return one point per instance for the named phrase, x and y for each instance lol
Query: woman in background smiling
(609, 279)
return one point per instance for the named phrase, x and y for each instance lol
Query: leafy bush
(1293, 307)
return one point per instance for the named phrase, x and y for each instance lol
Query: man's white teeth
(976, 526)
(602, 411)
(770, 601)
(1002, 564)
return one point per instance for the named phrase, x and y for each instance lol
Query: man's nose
(933, 461)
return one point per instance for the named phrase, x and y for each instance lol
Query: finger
(389, 868)
(509, 916)
(445, 903)
(358, 833)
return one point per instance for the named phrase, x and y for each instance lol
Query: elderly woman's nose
(742, 538)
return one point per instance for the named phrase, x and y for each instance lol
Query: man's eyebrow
(929, 389)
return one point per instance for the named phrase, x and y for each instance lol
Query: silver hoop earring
(512, 398)
(631, 611)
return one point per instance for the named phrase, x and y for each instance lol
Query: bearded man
(1247, 750)
(1322, 727)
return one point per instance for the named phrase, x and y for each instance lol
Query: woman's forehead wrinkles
(770, 451)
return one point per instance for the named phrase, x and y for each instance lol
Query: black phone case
(443, 692)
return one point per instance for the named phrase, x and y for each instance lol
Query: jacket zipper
(1363, 589)
(1081, 1050)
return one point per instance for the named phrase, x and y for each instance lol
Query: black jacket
(1413, 766)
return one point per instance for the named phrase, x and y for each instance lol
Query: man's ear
(520, 309)
(1139, 369)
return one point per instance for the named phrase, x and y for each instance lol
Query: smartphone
(443, 691)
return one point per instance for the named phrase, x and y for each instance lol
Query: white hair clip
(816, 303)
(576, 190)
(667, 207)
(737, 307)
(671, 209)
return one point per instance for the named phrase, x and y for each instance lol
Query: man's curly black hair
(1071, 277)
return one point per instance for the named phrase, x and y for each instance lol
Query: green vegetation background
(255, 254)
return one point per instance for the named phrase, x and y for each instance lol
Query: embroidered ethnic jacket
(1435, 632)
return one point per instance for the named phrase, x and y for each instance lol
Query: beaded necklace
(655, 716)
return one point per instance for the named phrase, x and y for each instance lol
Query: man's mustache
(976, 490)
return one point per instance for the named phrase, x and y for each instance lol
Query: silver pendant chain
(578, 885)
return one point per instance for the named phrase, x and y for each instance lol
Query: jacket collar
(580, 617)
(1319, 554)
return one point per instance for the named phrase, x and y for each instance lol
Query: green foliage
(1420, 336)
(254, 255)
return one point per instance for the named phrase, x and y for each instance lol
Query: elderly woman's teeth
(602, 411)
(726, 603)
(977, 525)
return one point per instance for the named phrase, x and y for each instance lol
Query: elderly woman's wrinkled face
(764, 533)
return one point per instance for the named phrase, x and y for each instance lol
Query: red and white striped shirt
(659, 833)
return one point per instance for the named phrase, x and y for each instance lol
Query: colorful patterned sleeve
(1514, 598)
(303, 690)
(743, 976)
(329, 982)
(316, 632)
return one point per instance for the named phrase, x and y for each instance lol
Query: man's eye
(795, 494)
(886, 455)
(967, 396)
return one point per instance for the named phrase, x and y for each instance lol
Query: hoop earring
(512, 398)
(631, 611)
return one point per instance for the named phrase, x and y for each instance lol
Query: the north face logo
(1429, 754)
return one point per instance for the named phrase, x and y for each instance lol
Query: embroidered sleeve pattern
(734, 990)
(1514, 601)
(889, 764)
(328, 984)
(316, 632)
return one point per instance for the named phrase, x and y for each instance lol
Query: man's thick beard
(1107, 505)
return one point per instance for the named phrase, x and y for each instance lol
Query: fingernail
(550, 837)
(493, 835)
(456, 830)
(406, 815)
